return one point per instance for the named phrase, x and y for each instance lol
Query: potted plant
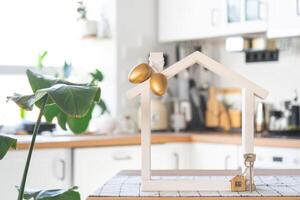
(88, 27)
(70, 103)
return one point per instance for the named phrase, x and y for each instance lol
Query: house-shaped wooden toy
(238, 183)
(249, 91)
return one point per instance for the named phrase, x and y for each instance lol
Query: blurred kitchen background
(71, 39)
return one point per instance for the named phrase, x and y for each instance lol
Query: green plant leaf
(38, 81)
(79, 125)
(56, 194)
(97, 76)
(103, 106)
(62, 120)
(5, 143)
(25, 102)
(41, 58)
(73, 100)
(50, 112)
(70, 103)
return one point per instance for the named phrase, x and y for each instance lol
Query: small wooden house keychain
(244, 182)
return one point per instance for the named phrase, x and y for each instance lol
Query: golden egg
(140, 73)
(158, 84)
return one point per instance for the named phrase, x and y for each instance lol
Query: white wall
(281, 78)
(136, 37)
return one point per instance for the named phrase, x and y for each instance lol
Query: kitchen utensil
(185, 109)
(224, 121)
(196, 102)
(178, 121)
(295, 116)
(235, 118)
(212, 112)
(275, 120)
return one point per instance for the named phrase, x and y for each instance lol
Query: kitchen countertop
(81, 141)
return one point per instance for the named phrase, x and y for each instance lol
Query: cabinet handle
(277, 159)
(121, 157)
(63, 169)
(176, 156)
(226, 161)
(62, 163)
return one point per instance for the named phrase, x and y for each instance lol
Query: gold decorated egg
(140, 73)
(158, 84)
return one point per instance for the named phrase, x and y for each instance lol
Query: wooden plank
(146, 133)
(185, 185)
(247, 121)
(156, 61)
(262, 174)
(247, 128)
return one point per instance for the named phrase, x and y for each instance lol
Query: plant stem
(35, 131)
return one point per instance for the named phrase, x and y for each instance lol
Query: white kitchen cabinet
(49, 169)
(188, 19)
(214, 156)
(94, 166)
(243, 17)
(283, 18)
(193, 19)
(277, 158)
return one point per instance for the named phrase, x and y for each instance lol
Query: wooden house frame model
(249, 91)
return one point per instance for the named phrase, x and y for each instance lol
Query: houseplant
(71, 104)
(88, 27)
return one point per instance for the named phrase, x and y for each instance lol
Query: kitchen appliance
(159, 115)
(287, 117)
(44, 126)
(181, 115)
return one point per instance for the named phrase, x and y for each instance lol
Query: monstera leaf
(56, 194)
(70, 103)
(5, 144)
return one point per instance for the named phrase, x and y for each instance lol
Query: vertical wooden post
(146, 132)
(248, 121)
(247, 124)
(156, 60)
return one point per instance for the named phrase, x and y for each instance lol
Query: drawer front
(277, 158)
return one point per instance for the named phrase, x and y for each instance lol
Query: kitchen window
(29, 28)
